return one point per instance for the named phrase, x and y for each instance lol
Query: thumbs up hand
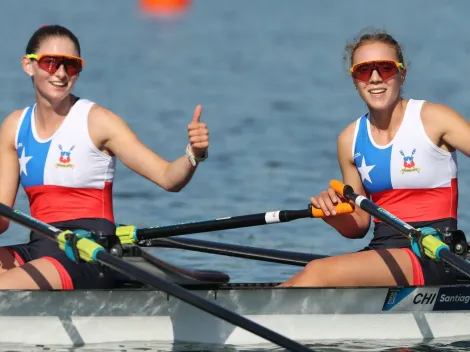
(198, 134)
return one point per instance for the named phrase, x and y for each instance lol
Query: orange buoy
(164, 7)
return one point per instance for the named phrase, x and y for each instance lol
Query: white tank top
(411, 177)
(65, 176)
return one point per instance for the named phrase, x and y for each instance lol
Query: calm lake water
(275, 94)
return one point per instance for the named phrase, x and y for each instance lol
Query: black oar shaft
(232, 250)
(456, 262)
(373, 209)
(234, 222)
(222, 224)
(40, 227)
(226, 223)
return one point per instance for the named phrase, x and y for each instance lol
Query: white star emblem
(364, 170)
(23, 160)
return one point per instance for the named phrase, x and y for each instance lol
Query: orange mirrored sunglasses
(385, 68)
(51, 63)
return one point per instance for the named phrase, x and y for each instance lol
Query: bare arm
(356, 224)
(110, 133)
(9, 167)
(446, 128)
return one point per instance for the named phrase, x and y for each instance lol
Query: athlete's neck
(390, 118)
(52, 113)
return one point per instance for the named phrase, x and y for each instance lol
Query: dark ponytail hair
(48, 31)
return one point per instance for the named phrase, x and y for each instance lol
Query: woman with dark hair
(63, 150)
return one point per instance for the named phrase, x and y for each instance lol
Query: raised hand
(198, 134)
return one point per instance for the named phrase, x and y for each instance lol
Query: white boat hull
(303, 314)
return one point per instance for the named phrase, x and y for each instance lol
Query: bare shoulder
(438, 112)
(99, 114)
(104, 123)
(107, 129)
(345, 138)
(441, 122)
(10, 125)
(13, 118)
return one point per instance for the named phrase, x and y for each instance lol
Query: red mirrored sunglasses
(385, 68)
(51, 63)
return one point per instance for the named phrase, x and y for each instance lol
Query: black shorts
(73, 276)
(425, 271)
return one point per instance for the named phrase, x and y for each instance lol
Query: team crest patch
(64, 159)
(408, 162)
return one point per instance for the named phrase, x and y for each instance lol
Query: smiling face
(57, 85)
(378, 92)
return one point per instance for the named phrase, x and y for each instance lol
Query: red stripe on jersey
(57, 203)
(416, 205)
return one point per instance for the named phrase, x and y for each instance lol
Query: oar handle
(342, 189)
(342, 208)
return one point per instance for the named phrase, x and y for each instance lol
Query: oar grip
(342, 208)
(338, 187)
